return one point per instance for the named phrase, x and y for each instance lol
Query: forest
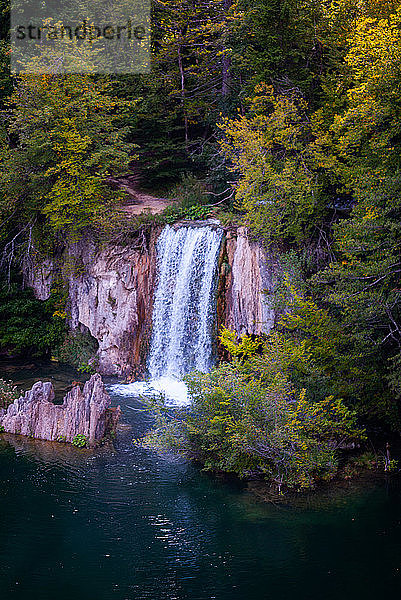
(283, 116)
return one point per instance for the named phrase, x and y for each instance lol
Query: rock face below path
(84, 412)
(110, 295)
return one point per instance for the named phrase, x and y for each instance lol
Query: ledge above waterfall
(213, 223)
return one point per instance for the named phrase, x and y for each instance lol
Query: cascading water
(183, 309)
(183, 305)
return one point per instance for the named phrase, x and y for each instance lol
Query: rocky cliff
(84, 412)
(246, 285)
(110, 293)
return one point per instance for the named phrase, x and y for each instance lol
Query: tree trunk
(184, 111)
(226, 61)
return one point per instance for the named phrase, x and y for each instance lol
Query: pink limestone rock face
(247, 283)
(85, 411)
(110, 295)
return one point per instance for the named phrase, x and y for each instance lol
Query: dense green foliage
(281, 184)
(59, 146)
(27, 325)
(78, 349)
(320, 175)
(247, 417)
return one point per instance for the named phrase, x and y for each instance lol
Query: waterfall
(183, 310)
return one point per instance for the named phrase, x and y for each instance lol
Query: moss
(80, 441)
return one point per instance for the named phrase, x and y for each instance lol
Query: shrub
(175, 213)
(28, 325)
(8, 393)
(246, 417)
(78, 349)
(190, 192)
(80, 440)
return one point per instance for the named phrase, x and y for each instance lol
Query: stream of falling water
(183, 311)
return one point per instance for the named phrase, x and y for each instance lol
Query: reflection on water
(51, 453)
(24, 375)
(129, 524)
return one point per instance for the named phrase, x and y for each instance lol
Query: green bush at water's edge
(80, 440)
(249, 418)
(31, 327)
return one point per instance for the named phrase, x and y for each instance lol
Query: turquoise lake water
(129, 524)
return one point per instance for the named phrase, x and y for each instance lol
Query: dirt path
(138, 201)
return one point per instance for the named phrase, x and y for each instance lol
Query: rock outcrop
(246, 285)
(85, 412)
(110, 294)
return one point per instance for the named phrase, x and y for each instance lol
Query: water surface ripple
(133, 525)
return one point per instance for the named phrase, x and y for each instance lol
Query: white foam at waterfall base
(183, 312)
(174, 391)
